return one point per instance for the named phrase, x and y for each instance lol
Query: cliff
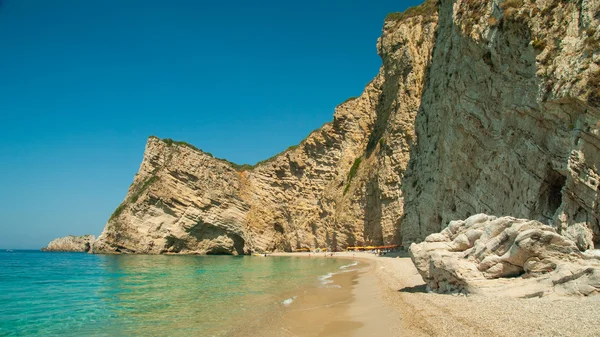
(71, 244)
(478, 107)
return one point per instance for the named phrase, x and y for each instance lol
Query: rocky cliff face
(181, 201)
(71, 244)
(478, 107)
(509, 117)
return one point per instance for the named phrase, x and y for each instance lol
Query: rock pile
(505, 257)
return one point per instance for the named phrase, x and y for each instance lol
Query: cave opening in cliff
(236, 249)
(219, 251)
(551, 196)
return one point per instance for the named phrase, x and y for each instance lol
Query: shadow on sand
(414, 289)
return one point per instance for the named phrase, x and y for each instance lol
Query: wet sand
(353, 304)
(389, 298)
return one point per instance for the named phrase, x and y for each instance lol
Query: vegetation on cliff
(171, 142)
(237, 167)
(352, 173)
(134, 196)
(427, 9)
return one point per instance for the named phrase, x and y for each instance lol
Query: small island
(71, 243)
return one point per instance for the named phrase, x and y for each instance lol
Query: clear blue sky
(84, 83)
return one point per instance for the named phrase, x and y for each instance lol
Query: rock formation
(479, 106)
(508, 122)
(505, 256)
(71, 244)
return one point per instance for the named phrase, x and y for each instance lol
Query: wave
(349, 265)
(326, 279)
(288, 301)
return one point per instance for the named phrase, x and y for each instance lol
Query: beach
(286, 294)
(388, 297)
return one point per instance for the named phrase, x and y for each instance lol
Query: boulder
(505, 257)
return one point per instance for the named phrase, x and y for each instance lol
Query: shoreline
(364, 313)
(349, 303)
(394, 285)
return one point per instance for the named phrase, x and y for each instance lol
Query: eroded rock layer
(505, 257)
(478, 107)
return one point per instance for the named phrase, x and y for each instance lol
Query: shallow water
(76, 294)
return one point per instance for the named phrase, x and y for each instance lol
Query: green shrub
(134, 196)
(238, 167)
(145, 184)
(426, 9)
(352, 173)
(347, 188)
(277, 155)
(171, 142)
(354, 168)
(117, 211)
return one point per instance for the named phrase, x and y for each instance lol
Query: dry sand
(388, 298)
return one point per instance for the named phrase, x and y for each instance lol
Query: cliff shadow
(372, 226)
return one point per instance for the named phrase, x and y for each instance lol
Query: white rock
(512, 257)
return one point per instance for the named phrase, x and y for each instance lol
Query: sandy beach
(387, 297)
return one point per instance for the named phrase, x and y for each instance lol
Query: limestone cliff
(508, 123)
(478, 107)
(71, 244)
(181, 200)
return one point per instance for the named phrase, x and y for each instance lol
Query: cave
(551, 194)
(219, 250)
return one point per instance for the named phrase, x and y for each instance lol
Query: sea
(79, 294)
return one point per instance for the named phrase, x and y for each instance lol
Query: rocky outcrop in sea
(71, 244)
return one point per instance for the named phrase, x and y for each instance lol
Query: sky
(84, 83)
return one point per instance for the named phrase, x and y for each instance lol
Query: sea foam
(349, 265)
(288, 301)
(326, 279)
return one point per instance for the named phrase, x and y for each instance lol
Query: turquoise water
(77, 294)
